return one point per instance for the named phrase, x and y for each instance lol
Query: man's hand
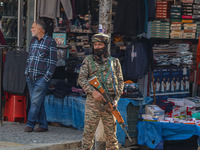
(114, 103)
(98, 96)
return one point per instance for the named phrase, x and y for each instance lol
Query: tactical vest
(99, 72)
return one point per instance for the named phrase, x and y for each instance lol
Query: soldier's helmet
(104, 38)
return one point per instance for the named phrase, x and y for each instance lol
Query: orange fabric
(128, 81)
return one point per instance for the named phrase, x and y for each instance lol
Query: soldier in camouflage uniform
(106, 68)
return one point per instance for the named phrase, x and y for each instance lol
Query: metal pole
(20, 23)
(29, 21)
(105, 16)
(35, 10)
(1, 63)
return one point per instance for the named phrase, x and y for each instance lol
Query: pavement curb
(71, 145)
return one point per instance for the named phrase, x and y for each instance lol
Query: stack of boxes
(187, 10)
(175, 12)
(159, 29)
(196, 10)
(162, 9)
(189, 31)
(176, 30)
(181, 21)
(198, 29)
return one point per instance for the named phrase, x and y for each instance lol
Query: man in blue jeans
(41, 65)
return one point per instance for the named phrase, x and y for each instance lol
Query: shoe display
(40, 129)
(28, 129)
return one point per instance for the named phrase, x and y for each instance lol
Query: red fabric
(2, 40)
(198, 59)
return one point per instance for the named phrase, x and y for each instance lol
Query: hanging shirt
(172, 86)
(51, 8)
(136, 61)
(163, 87)
(182, 85)
(177, 85)
(130, 17)
(167, 86)
(157, 87)
(42, 58)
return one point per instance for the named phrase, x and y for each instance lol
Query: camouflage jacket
(91, 68)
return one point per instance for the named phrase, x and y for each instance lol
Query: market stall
(156, 47)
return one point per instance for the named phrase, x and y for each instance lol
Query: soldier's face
(98, 45)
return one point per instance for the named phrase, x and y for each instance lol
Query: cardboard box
(154, 111)
(177, 101)
(60, 38)
(187, 1)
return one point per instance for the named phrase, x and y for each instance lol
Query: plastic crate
(132, 119)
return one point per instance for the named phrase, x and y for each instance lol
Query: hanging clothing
(2, 40)
(82, 7)
(130, 17)
(152, 9)
(73, 8)
(137, 59)
(45, 7)
(14, 80)
(68, 8)
(198, 59)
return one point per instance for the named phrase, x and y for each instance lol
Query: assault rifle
(94, 82)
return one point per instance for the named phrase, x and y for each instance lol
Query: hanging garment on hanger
(68, 8)
(130, 17)
(152, 9)
(51, 8)
(14, 80)
(136, 62)
(82, 7)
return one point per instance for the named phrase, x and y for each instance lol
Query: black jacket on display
(138, 58)
(130, 17)
(14, 80)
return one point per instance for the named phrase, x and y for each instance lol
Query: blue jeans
(37, 90)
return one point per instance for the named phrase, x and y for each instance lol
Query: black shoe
(28, 129)
(40, 129)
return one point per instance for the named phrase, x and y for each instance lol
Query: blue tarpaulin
(122, 107)
(152, 133)
(68, 111)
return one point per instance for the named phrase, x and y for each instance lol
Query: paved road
(12, 135)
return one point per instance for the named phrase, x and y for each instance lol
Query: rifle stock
(94, 82)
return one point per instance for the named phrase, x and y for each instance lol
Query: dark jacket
(136, 61)
(130, 17)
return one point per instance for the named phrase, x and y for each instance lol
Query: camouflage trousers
(93, 113)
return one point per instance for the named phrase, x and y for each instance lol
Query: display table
(152, 133)
(70, 111)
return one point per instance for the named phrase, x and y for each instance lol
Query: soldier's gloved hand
(98, 96)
